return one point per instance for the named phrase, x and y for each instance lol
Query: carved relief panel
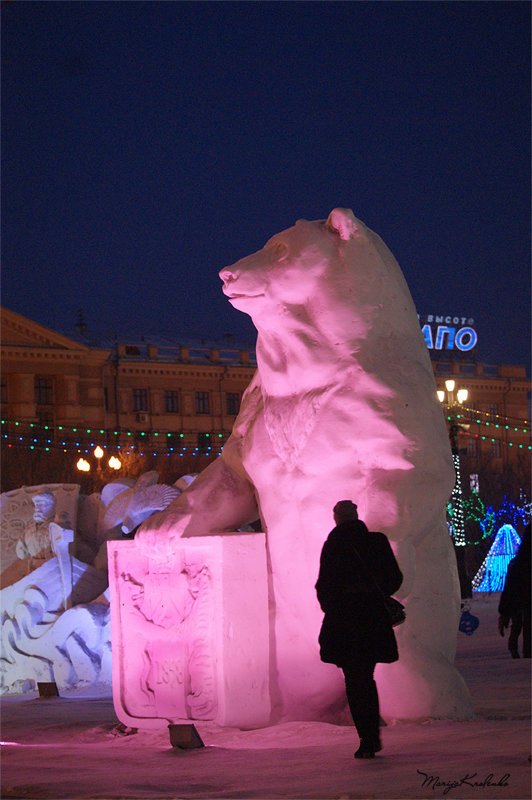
(188, 641)
(16, 511)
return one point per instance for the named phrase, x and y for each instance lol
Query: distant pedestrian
(514, 605)
(357, 569)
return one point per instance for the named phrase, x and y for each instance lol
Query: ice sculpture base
(190, 632)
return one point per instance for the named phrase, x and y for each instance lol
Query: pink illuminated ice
(343, 405)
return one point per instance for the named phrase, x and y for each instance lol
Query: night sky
(146, 145)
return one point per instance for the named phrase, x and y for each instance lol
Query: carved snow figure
(133, 505)
(130, 506)
(182, 602)
(16, 515)
(343, 405)
(39, 639)
(35, 543)
(71, 648)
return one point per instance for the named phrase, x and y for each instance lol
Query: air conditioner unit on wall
(142, 417)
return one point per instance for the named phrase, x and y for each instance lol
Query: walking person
(515, 602)
(357, 570)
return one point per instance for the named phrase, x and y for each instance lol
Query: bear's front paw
(157, 534)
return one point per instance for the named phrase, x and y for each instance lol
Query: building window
(495, 449)
(140, 399)
(174, 441)
(467, 369)
(472, 447)
(202, 402)
(443, 367)
(3, 390)
(171, 402)
(204, 442)
(44, 392)
(232, 403)
(473, 483)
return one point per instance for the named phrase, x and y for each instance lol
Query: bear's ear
(342, 221)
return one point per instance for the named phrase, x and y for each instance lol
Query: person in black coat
(515, 602)
(356, 569)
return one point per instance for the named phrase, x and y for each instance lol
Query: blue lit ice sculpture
(492, 573)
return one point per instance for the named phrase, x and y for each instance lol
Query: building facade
(165, 399)
(490, 430)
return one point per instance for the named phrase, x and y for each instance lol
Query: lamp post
(98, 454)
(84, 466)
(451, 399)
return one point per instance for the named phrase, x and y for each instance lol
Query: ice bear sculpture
(343, 405)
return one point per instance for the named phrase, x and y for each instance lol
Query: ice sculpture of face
(44, 507)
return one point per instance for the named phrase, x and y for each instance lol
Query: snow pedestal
(190, 631)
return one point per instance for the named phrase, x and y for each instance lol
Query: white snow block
(190, 631)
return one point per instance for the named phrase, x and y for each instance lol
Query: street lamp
(452, 398)
(461, 394)
(83, 465)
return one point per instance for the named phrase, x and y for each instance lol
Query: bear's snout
(227, 275)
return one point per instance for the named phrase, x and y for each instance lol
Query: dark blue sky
(148, 144)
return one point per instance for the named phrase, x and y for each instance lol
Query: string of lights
(50, 447)
(65, 429)
(512, 513)
(522, 424)
(67, 439)
(492, 573)
(485, 518)
(488, 518)
(456, 507)
(471, 435)
(36, 436)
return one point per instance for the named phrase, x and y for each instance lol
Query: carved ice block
(190, 632)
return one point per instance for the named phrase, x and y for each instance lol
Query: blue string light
(492, 573)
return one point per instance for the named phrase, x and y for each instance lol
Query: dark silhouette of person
(356, 568)
(514, 605)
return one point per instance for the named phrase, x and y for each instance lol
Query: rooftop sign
(447, 332)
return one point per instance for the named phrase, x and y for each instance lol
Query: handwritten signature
(434, 782)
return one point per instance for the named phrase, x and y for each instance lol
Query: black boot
(368, 748)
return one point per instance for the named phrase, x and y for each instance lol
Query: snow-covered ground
(64, 747)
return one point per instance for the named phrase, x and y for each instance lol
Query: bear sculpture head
(330, 287)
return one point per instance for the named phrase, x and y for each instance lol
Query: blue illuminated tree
(492, 573)
(515, 514)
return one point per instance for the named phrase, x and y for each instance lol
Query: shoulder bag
(396, 610)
